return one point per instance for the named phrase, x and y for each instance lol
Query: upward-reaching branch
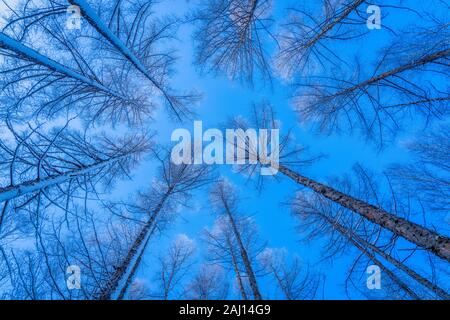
(38, 161)
(222, 195)
(413, 232)
(302, 43)
(417, 234)
(320, 210)
(407, 82)
(177, 183)
(29, 54)
(173, 101)
(230, 37)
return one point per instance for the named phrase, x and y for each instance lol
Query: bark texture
(417, 234)
(351, 236)
(244, 255)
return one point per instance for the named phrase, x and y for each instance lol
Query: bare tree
(223, 196)
(413, 232)
(64, 68)
(160, 203)
(128, 34)
(210, 283)
(230, 37)
(423, 237)
(428, 178)
(57, 165)
(222, 251)
(50, 176)
(300, 208)
(304, 37)
(319, 217)
(35, 159)
(53, 87)
(173, 266)
(139, 290)
(295, 281)
(79, 238)
(378, 101)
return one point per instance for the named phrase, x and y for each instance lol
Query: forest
(340, 188)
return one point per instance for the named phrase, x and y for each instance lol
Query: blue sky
(224, 98)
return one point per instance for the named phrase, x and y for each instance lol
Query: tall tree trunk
(390, 274)
(94, 20)
(32, 55)
(334, 22)
(349, 234)
(417, 234)
(127, 270)
(26, 187)
(244, 255)
(408, 66)
(130, 277)
(236, 270)
(281, 284)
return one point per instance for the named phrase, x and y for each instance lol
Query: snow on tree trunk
(95, 21)
(334, 22)
(417, 234)
(26, 187)
(123, 275)
(32, 55)
(400, 265)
